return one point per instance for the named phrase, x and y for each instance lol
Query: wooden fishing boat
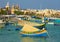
(23, 22)
(29, 30)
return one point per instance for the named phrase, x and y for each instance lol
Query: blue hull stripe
(43, 34)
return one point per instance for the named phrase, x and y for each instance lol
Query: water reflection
(33, 39)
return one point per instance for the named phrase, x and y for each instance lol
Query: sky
(33, 4)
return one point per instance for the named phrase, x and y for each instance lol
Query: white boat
(50, 22)
(1, 21)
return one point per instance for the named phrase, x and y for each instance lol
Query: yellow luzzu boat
(29, 30)
(23, 22)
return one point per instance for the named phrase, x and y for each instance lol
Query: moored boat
(23, 22)
(50, 22)
(29, 30)
(2, 24)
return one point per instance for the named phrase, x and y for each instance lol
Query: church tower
(12, 9)
(7, 6)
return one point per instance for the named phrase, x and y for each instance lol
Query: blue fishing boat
(28, 30)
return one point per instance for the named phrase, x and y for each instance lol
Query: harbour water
(9, 34)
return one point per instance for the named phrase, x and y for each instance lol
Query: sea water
(9, 34)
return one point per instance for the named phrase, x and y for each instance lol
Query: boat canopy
(29, 28)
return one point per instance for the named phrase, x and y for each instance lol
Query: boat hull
(35, 35)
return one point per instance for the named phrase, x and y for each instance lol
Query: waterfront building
(40, 13)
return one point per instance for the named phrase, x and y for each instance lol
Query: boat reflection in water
(33, 39)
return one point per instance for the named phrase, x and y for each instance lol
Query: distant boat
(29, 30)
(57, 24)
(50, 22)
(2, 24)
